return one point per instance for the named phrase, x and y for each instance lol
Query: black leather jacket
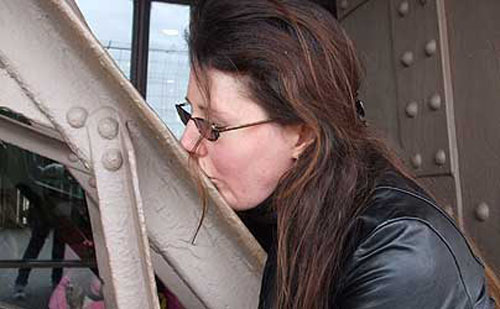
(408, 254)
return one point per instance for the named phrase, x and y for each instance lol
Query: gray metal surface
(121, 210)
(346, 7)
(422, 101)
(432, 88)
(407, 88)
(369, 26)
(474, 38)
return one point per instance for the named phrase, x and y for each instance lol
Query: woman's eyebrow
(201, 107)
(215, 113)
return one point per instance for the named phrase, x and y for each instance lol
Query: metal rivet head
(416, 161)
(108, 128)
(407, 59)
(404, 8)
(76, 117)
(430, 48)
(92, 182)
(112, 159)
(440, 157)
(482, 212)
(72, 157)
(344, 4)
(412, 109)
(435, 102)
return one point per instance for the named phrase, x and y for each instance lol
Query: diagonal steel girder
(58, 67)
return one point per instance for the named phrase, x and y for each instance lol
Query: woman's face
(245, 164)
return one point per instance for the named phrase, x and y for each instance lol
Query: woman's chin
(232, 202)
(231, 199)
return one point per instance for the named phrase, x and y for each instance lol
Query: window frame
(140, 41)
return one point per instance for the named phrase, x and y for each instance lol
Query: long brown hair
(300, 66)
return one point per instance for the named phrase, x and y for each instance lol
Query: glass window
(112, 25)
(46, 246)
(168, 67)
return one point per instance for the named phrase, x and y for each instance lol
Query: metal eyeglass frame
(210, 132)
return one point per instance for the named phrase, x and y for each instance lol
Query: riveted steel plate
(418, 57)
(474, 38)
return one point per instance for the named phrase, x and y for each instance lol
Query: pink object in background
(58, 298)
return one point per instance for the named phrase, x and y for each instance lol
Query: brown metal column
(474, 39)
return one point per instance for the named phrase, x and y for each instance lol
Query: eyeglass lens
(204, 128)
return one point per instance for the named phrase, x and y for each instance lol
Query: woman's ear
(303, 137)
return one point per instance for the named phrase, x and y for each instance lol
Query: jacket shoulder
(403, 264)
(405, 244)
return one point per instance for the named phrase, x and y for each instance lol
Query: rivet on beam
(404, 8)
(344, 4)
(76, 117)
(435, 102)
(416, 161)
(108, 128)
(412, 109)
(482, 212)
(407, 59)
(430, 48)
(112, 160)
(440, 157)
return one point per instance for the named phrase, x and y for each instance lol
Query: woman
(275, 124)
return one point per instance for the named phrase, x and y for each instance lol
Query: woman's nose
(192, 141)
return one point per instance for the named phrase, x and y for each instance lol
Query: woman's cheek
(231, 168)
(223, 166)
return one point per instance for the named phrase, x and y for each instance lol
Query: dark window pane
(44, 224)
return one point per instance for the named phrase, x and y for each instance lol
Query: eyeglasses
(210, 131)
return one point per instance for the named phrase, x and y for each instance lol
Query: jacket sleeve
(404, 264)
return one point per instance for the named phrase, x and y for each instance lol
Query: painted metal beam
(39, 139)
(64, 72)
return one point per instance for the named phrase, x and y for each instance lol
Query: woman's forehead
(227, 93)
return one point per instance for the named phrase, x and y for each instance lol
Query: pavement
(13, 242)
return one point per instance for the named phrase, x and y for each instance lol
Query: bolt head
(435, 102)
(407, 59)
(412, 109)
(440, 157)
(404, 8)
(108, 128)
(416, 161)
(482, 212)
(76, 117)
(112, 160)
(431, 48)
